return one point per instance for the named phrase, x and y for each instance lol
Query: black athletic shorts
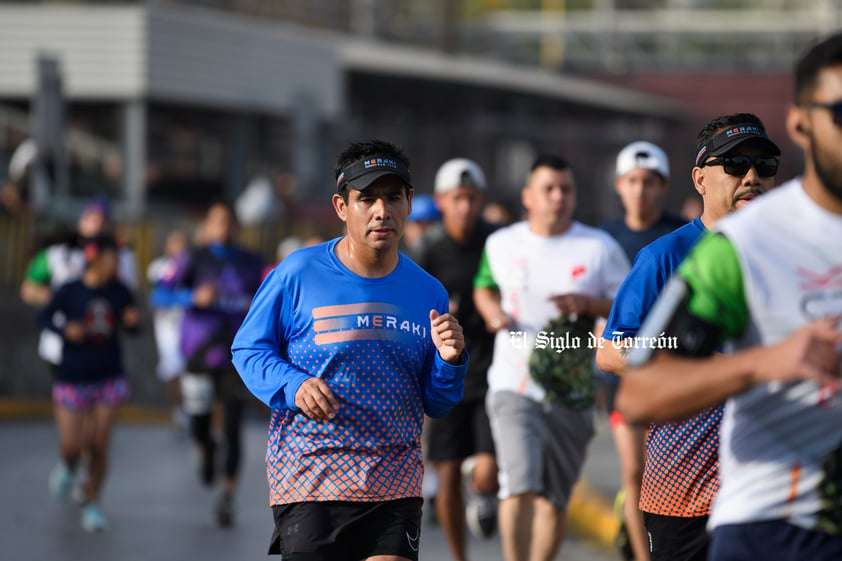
(674, 538)
(461, 433)
(346, 531)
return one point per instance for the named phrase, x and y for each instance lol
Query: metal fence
(15, 250)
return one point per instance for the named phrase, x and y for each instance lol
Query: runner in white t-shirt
(770, 281)
(531, 273)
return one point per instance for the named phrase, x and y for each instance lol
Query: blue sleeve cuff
(291, 388)
(456, 372)
(446, 386)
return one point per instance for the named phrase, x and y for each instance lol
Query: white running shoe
(61, 482)
(480, 508)
(481, 515)
(92, 518)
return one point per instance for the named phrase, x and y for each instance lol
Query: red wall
(708, 95)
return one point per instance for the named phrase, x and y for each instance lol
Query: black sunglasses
(766, 166)
(834, 108)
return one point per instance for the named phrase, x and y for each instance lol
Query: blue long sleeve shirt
(369, 340)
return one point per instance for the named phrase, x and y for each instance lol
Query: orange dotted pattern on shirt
(681, 476)
(372, 450)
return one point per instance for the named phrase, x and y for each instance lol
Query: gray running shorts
(540, 446)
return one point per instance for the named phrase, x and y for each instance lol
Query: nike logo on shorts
(413, 542)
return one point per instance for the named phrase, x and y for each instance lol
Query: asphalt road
(157, 508)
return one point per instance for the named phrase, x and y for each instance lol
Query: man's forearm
(611, 359)
(671, 388)
(599, 307)
(487, 303)
(35, 294)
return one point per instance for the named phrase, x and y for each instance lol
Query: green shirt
(713, 273)
(38, 270)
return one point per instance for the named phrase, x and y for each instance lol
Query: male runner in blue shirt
(351, 343)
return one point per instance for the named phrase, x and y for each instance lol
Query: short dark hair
(356, 151)
(721, 123)
(822, 54)
(550, 161)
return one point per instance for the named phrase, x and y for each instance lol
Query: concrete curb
(34, 409)
(590, 514)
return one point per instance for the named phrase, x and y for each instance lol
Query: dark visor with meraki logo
(733, 136)
(363, 173)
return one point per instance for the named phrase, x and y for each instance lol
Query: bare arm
(670, 387)
(657, 393)
(582, 304)
(131, 319)
(612, 359)
(35, 294)
(608, 358)
(487, 303)
(599, 307)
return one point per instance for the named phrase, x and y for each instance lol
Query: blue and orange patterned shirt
(369, 340)
(681, 474)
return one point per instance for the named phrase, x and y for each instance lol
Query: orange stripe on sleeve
(795, 478)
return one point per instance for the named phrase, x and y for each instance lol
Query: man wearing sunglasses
(770, 283)
(735, 165)
(735, 162)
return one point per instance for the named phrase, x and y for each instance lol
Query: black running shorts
(461, 433)
(346, 531)
(674, 538)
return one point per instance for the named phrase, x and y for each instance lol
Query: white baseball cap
(459, 172)
(644, 155)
